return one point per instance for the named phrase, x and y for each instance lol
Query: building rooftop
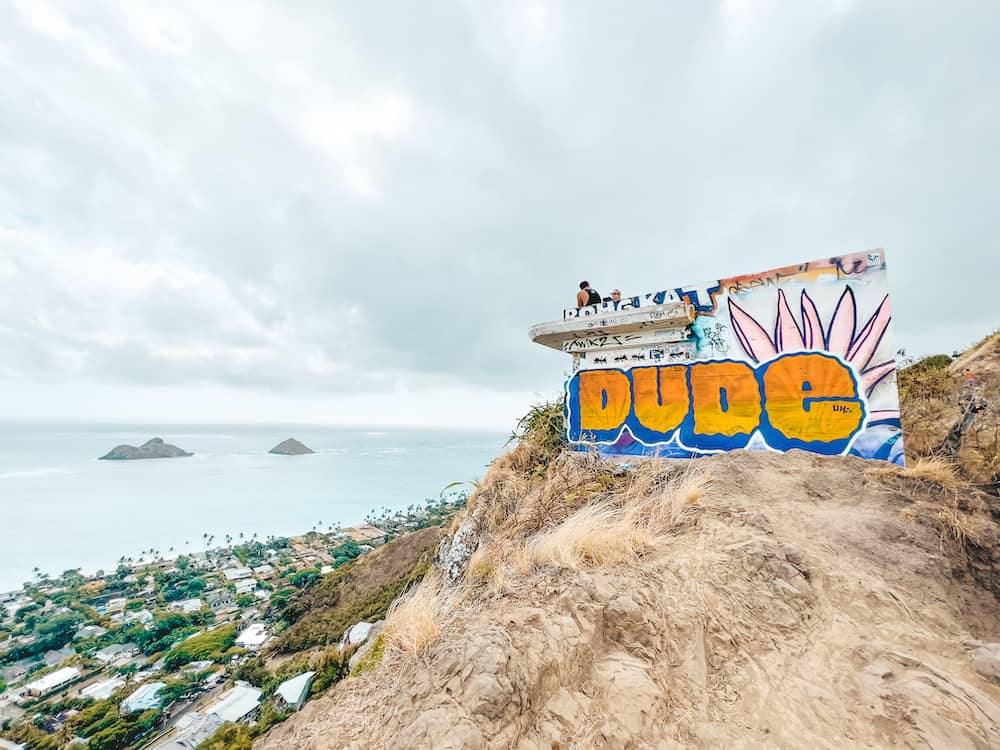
(145, 698)
(295, 691)
(235, 574)
(101, 690)
(617, 324)
(237, 703)
(253, 636)
(192, 730)
(365, 533)
(89, 631)
(57, 656)
(109, 653)
(53, 680)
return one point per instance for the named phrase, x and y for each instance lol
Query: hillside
(742, 601)
(358, 591)
(944, 416)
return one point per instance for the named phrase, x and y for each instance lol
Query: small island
(154, 448)
(291, 447)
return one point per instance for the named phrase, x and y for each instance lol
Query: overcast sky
(353, 211)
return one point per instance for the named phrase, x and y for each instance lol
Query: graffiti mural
(794, 358)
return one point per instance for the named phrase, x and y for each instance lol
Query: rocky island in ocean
(154, 448)
(291, 447)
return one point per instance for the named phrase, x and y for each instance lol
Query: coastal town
(153, 653)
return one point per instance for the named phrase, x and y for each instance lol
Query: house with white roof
(253, 637)
(52, 681)
(241, 703)
(294, 692)
(102, 690)
(142, 616)
(116, 652)
(89, 631)
(264, 571)
(188, 606)
(192, 729)
(237, 574)
(114, 605)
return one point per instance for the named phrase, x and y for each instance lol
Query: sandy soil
(805, 604)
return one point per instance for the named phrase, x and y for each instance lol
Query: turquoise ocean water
(61, 508)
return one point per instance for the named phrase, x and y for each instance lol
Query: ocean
(61, 508)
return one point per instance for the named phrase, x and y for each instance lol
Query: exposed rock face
(358, 633)
(366, 646)
(454, 552)
(154, 448)
(291, 447)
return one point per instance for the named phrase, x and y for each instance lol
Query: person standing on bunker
(587, 295)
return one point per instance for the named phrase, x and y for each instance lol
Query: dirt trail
(805, 604)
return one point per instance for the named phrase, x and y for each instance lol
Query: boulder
(358, 633)
(374, 630)
(291, 447)
(154, 448)
(986, 660)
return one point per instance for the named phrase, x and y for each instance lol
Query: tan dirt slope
(798, 602)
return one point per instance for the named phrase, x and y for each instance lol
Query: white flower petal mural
(855, 348)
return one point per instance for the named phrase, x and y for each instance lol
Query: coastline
(65, 509)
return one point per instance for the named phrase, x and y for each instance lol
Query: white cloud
(246, 198)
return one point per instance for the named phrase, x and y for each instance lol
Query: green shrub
(544, 425)
(371, 659)
(331, 667)
(270, 715)
(934, 362)
(229, 737)
(211, 645)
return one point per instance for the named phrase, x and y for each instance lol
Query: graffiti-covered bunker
(797, 357)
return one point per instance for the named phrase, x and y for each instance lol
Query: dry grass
(955, 525)
(518, 497)
(481, 565)
(412, 624)
(621, 530)
(955, 510)
(594, 535)
(940, 471)
(937, 470)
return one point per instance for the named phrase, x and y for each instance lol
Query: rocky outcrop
(291, 447)
(366, 645)
(454, 551)
(154, 448)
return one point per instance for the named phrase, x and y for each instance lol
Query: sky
(353, 212)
